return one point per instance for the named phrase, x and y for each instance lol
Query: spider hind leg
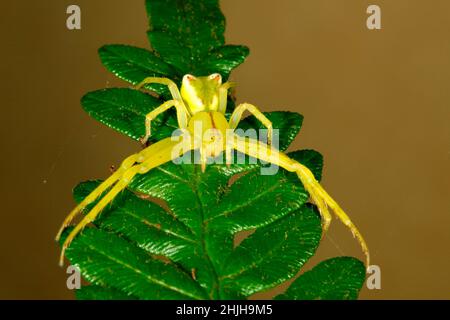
(105, 185)
(108, 198)
(321, 198)
(149, 158)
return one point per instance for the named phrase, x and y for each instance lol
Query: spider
(203, 100)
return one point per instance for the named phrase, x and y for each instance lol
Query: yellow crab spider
(202, 100)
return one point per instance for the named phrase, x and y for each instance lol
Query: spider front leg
(223, 95)
(164, 81)
(237, 115)
(321, 198)
(182, 117)
(149, 158)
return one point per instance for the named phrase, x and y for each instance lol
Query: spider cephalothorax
(202, 93)
(200, 108)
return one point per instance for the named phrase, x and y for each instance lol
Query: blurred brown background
(376, 104)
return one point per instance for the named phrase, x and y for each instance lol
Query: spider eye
(188, 77)
(216, 77)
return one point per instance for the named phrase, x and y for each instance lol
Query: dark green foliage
(334, 279)
(181, 245)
